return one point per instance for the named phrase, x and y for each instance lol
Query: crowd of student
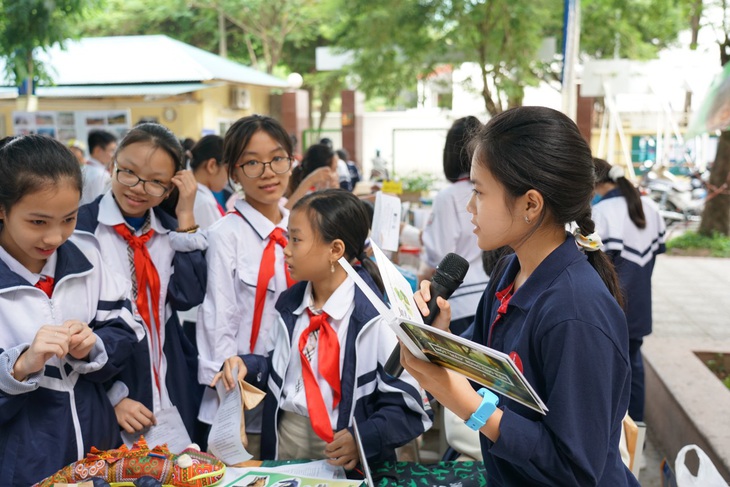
(91, 344)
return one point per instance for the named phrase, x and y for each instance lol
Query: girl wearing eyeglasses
(163, 259)
(246, 266)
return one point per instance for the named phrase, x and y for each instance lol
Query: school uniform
(449, 229)
(633, 251)
(207, 210)
(226, 318)
(96, 181)
(389, 411)
(568, 335)
(162, 371)
(54, 416)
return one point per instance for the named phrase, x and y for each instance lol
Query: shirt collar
(49, 269)
(614, 193)
(542, 278)
(205, 189)
(260, 224)
(95, 162)
(336, 306)
(110, 214)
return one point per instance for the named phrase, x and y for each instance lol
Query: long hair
(628, 191)
(540, 148)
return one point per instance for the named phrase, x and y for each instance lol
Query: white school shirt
(206, 208)
(161, 247)
(225, 319)
(450, 230)
(339, 307)
(96, 181)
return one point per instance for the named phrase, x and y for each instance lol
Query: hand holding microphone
(448, 277)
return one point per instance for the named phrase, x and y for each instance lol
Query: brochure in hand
(491, 368)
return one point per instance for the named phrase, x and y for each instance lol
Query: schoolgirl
(449, 228)
(162, 259)
(552, 306)
(329, 347)
(211, 173)
(632, 231)
(67, 323)
(246, 269)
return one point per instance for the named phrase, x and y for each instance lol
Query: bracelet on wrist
(192, 229)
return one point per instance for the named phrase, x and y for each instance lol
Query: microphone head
(451, 271)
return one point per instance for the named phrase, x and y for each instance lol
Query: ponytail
(297, 176)
(600, 261)
(606, 173)
(633, 201)
(372, 269)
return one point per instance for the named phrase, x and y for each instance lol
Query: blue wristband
(484, 411)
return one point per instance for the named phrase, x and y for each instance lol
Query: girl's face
(306, 255)
(39, 223)
(148, 163)
(267, 189)
(495, 223)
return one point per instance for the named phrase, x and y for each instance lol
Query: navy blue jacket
(633, 252)
(570, 337)
(186, 289)
(56, 415)
(392, 414)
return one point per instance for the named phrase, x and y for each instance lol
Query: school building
(116, 82)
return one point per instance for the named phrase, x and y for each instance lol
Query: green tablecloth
(410, 474)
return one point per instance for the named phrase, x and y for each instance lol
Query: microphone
(448, 277)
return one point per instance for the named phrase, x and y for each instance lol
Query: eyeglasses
(129, 179)
(255, 169)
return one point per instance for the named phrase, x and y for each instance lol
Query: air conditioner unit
(240, 98)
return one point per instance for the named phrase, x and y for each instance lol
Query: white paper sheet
(169, 430)
(224, 440)
(385, 230)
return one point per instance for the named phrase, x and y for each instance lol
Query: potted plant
(415, 185)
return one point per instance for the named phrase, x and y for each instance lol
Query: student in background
(162, 259)
(553, 306)
(318, 170)
(449, 228)
(102, 146)
(212, 175)
(67, 324)
(246, 268)
(329, 346)
(632, 230)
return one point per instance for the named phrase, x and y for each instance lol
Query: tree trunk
(716, 215)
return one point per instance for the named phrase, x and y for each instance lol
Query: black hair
(239, 135)
(628, 191)
(343, 154)
(317, 155)
(209, 147)
(540, 148)
(326, 141)
(457, 157)
(338, 214)
(32, 163)
(99, 138)
(160, 137)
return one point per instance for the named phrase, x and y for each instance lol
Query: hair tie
(615, 172)
(588, 243)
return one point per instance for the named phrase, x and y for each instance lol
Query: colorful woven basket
(121, 467)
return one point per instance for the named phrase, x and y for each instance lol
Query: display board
(66, 125)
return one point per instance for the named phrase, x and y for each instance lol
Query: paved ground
(690, 299)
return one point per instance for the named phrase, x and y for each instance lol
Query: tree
(716, 214)
(30, 24)
(396, 42)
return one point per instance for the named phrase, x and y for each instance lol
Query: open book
(489, 367)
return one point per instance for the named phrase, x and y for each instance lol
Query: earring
(527, 219)
(332, 267)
